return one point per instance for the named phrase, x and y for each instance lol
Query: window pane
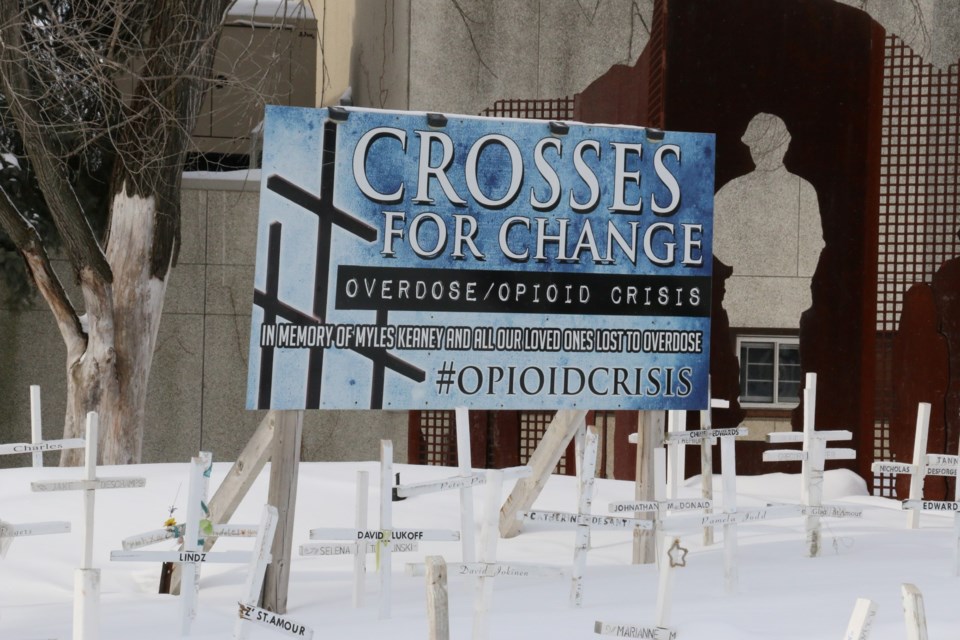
(790, 377)
(758, 391)
(756, 371)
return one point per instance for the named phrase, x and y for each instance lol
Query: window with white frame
(769, 371)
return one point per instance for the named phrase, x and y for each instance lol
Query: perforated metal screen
(438, 431)
(550, 109)
(919, 175)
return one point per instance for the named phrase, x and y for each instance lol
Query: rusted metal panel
(921, 372)
(946, 289)
(793, 65)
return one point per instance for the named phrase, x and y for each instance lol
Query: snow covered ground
(783, 594)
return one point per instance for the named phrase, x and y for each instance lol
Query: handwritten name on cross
(813, 457)
(706, 454)
(582, 521)
(86, 592)
(464, 481)
(9, 531)
(179, 531)
(487, 567)
(37, 444)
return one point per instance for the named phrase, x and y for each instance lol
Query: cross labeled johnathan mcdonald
(480, 262)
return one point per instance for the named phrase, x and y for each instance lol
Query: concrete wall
(198, 383)
(425, 55)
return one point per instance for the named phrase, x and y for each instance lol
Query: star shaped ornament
(677, 554)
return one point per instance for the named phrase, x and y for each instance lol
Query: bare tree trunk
(123, 276)
(92, 381)
(138, 298)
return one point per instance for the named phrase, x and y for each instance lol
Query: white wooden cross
(813, 456)
(177, 531)
(359, 550)
(358, 546)
(464, 481)
(670, 558)
(10, 531)
(706, 454)
(582, 521)
(676, 447)
(659, 506)
(37, 444)
(727, 518)
(487, 567)
(913, 612)
(385, 539)
(923, 465)
(86, 595)
(192, 553)
(249, 611)
(942, 464)
(861, 620)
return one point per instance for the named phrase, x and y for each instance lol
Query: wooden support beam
(282, 494)
(649, 438)
(239, 479)
(543, 461)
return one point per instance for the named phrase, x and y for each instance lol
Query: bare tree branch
(35, 255)
(82, 246)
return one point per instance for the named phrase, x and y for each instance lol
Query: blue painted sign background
(479, 262)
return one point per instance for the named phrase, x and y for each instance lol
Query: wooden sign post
(465, 482)
(544, 459)
(86, 594)
(648, 438)
(37, 444)
(487, 568)
(582, 521)
(813, 456)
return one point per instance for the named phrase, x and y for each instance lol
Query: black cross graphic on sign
(328, 215)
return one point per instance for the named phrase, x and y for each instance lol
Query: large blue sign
(415, 261)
